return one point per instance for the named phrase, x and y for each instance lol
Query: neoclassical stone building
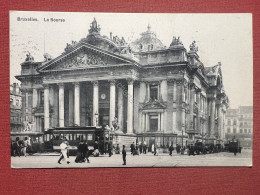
(157, 94)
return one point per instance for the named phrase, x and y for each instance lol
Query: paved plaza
(148, 160)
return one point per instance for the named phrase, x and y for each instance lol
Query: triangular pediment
(83, 57)
(153, 105)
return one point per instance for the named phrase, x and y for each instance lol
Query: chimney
(111, 36)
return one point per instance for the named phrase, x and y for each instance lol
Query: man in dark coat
(171, 149)
(132, 147)
(80, 153)
(144, 148)
(141, 148)
(191, 152)
(110, 149)
(178, 148)
(124, 155)
(85, 151)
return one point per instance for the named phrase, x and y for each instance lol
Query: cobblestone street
(148, 160)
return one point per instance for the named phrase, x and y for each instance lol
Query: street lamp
(182, 138)
(96, 115)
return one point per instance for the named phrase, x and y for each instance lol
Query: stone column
(159, 121)
(191, 106)
(61, 105)
(120, 107)
(130, 106)
(164, 91)
(219, 121)
(143, 122)
(199, 111)
(142, 92)
(71, 108)
(183, 107)
(95, 103)
(112, 110)
(46, 108)
(162, 121)
(35, 97)
(76, 103)
(212, 118)
(147, 91)
(147, 122)
(174, 91)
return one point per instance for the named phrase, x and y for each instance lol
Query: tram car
(233, 145)
(96, 137)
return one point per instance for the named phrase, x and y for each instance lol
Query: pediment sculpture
(83, 60)
(153, 105)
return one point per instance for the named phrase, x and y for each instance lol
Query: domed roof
(147, 42)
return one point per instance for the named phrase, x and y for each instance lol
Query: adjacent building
(155, 93)
(16, 121)
(239, 125)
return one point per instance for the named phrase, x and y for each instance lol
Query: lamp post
(182, 138)
(96, 115)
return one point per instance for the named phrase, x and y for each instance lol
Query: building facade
(239, 125)
(154, 93)
(16, 121)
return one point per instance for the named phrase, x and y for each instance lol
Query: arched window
(235, 122)
(234, 130)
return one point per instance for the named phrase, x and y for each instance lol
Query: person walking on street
(85, 151)
(144, 148)
(171, 149)
(124, 155)
(25, 145)
(63, 149)
(178, 148)
(141, 148)
(132, 147)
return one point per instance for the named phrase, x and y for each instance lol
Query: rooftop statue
(29, 57)
(176, 41)
(193, 47)
(94, 27)
(47, 57)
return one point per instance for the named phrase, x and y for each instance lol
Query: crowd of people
(20, 147)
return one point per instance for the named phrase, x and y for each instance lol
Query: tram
(96, 137)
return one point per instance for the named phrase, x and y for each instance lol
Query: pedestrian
(152, 148)
(79, 156)
(68, 144)
(235, 150)
(171, 149)
(110, 149)
(24, 146)
(155, 150)
(124, 155)
(132, 147)
(141, 147)
(178, 148)
(117, 150)
(144, 148)
(17, 148)
(85, 151)
(191, 150)
(63, 149)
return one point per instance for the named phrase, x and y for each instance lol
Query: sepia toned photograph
(91, 90)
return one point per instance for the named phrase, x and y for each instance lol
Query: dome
(147, 42)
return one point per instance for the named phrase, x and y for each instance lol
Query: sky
(225, 38)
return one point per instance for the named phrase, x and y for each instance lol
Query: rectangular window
(41, 95)
(245, 130)
(154, 89)
(153, 123)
